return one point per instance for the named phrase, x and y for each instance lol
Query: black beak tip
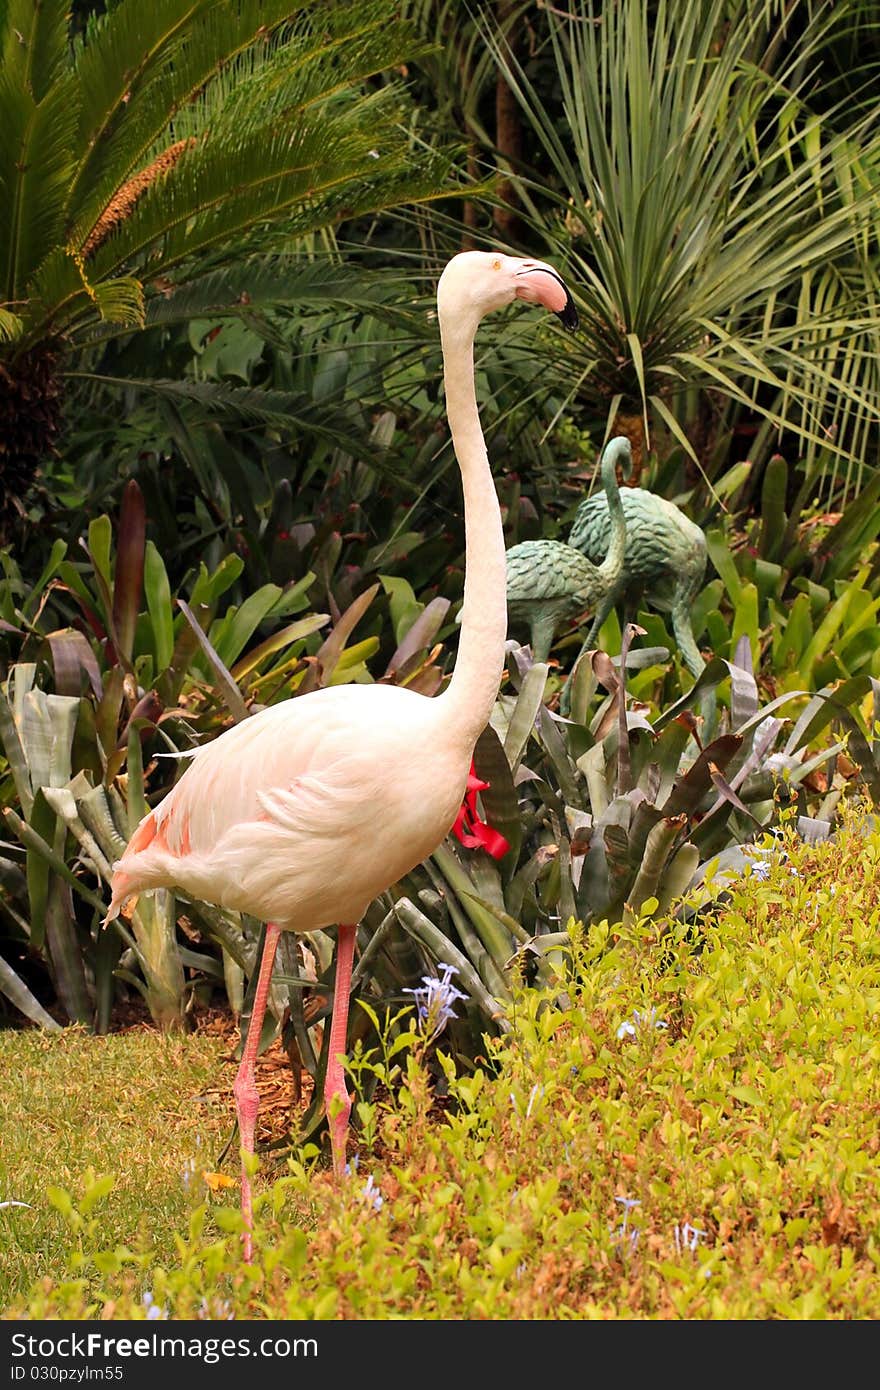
(568, 314)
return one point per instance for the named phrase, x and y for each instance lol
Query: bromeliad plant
(133, 673)
(799, 579)
(614, 816)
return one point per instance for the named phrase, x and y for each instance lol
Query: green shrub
(694, 1136)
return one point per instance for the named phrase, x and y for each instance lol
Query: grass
(134, 1104)
(694, 1136)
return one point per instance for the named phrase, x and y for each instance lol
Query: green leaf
(405, 607)
(15, 755)
(100, 541)
(331, 650)
(795, 636)
(208, 588)
(719, 553)
(294, 632)
(825, 633)
(11, 326)
(229, 690)
(232, 633)
(745, 622)
(525, 712)
(158, 596)
(19, 995)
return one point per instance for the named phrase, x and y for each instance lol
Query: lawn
(694, 1135)
(136, 1104)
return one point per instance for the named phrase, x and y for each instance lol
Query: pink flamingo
(302, 814)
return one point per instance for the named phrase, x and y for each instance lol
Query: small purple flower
(687, 1237)
(371, 1195)
(627, 1203)
(152, 1308)
(220, 1309)
(434, 1001)
(627, 1238)
(641, 1023)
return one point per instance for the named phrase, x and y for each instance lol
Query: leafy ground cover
(694, 1135)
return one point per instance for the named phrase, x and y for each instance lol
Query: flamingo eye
(496, 265)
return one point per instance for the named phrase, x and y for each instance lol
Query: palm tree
(145, 160)
(715, 206)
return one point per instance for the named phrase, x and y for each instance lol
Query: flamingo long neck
(612, 565)
(471, 693)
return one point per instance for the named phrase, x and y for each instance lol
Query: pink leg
(247, 1098)
(334, 1081)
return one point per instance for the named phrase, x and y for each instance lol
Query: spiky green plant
(715, 208)
(612, 815)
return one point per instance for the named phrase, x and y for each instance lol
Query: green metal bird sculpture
(664, 561)
(549, 582)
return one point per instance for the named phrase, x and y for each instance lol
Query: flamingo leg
(334, 1081)
(247, 1098)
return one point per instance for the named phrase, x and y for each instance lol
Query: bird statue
(549, 582)
(664, 561)
(303, 813)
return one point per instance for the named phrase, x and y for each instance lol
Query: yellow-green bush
(694, 1136)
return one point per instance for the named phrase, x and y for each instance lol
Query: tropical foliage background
(226, 481)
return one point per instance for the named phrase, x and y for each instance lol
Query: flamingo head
(476, 282)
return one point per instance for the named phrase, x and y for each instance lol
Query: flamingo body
(307, 811)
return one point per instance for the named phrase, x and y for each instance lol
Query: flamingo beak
(539, 284)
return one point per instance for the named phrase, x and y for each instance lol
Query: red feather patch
(473, 832)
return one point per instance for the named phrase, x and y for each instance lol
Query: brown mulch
(285, 1087)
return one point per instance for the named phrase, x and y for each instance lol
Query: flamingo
(303, 813)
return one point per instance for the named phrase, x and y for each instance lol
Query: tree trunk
(508, 132)
(633, 427)
(30, 410)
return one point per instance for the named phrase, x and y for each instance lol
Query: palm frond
(141, 67)
(182, 130)
(288, 409)
(702, 195)
(252, 286)
(319, 60)
(300, 177)
(41, 151)
(33, 43)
